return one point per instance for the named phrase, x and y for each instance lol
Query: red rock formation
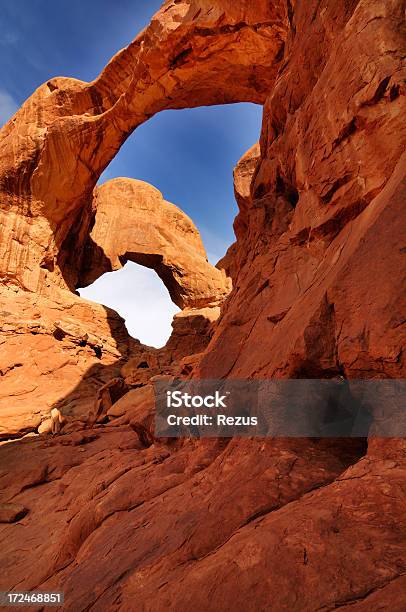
(133, 222)
(58, 349)
(324, 208)
(79, 345)
(57, 145)
(118, 520)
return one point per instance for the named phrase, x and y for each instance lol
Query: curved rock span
(318, 274)
(133, 222)
(55, 148)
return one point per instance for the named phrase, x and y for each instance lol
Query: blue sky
(189, 155)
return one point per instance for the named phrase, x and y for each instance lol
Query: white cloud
(8, 107)
(141, 298)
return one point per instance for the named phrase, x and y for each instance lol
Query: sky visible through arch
(189, 155)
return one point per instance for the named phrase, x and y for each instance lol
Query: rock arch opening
(139, 296)
(189, 155)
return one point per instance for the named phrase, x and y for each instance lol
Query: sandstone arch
(134, 222)
(54, 149)
(52, 153)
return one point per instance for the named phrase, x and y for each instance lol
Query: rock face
(321, 290)
(115, 518)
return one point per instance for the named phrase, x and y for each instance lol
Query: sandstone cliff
(114, 518)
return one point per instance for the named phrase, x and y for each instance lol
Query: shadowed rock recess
(314, 287)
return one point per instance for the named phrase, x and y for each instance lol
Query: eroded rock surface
(135, 523)
(319, 261)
